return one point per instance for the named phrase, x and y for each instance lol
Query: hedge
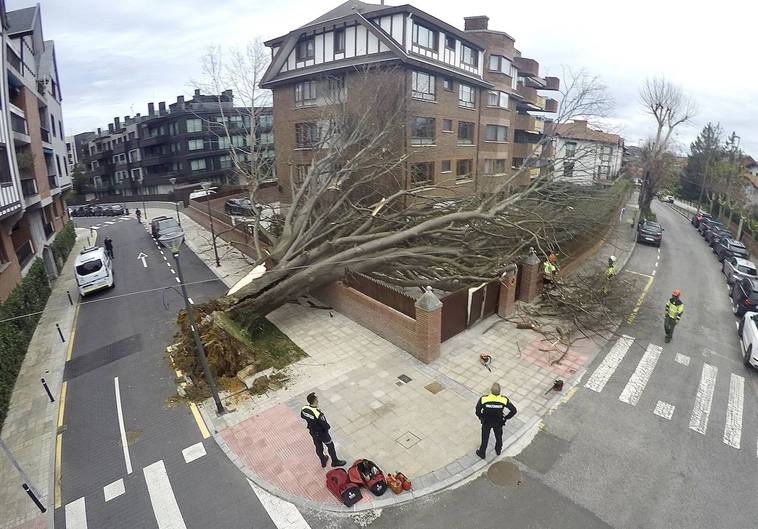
(62, 244)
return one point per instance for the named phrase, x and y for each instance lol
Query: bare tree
(670, 108)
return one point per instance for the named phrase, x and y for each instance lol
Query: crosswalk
(702, 399)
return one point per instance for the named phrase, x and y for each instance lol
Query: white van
(93, 270)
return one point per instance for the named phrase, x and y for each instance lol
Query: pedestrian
(318, 427)
(108, 247)
(610, 271)
(491, 412)
(550, 270)
(139, 215)
(674, 311)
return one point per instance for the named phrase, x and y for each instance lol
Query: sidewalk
(385, 405)
(30, 427)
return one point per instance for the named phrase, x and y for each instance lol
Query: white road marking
(142, 256)
(168, 264)
(172, 270)
(653, 273)
(166, 510)
(110, 222)
(114, 490)
(282, 513)
(639, 379)
(76, 515)
(702, 408)
(164, 257)
(733, 427)
(196, 451)
(177, 280)
(126, 218)
(597, 381)
(94, 227)
(664, 409)
(120, 412)
(682, 359)
(190, 300)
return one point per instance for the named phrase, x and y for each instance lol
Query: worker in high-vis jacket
(674, 311)
(318, 427)
(549, 270)
(491, 412)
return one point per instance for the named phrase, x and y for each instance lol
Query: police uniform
(674, 311)
(318, 427)
(491, 412)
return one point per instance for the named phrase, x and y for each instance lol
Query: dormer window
(424, 37)
(469, 56)
(339, 41)
(450, 43)
(306, 49)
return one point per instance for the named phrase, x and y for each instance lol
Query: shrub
(62, 244)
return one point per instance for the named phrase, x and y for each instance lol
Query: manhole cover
(504, 474)
(434, 387)
(407, 440)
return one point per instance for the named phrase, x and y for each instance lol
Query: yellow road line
(636, 309)
(57, 486)
(62, 404)
(199, 420)
(73, 335)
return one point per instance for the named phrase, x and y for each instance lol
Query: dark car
(650, 232)
(98, 211)
(239, 206)
(116, 210)
(744, 295)
(164, 226)
(728, 247)
(716, 233)
(696, 218)
(706, 223)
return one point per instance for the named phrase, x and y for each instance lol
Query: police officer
(674, 311)
(490, 410)
(318, 427)
(108, 247)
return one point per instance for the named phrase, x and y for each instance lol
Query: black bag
(343, 489)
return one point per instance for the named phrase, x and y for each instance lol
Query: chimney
(162, 108)
(197, 92)
(180, 101)
(110, 128)
(151, 109)
(475, 23)
(116, 123)
(228, 93)
(99, 132)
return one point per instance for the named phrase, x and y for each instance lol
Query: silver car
(736, 267)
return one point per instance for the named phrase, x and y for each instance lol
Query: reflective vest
(611, 271)
(674, 309)
(315, 420)
(491, 407)
(549, 268)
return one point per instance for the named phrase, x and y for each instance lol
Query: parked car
(669, 199)
(748, 333)
(714, 234)
(744, 295)
(93, 270)
(696, 218)
(116, 210)
(736, 268)
(728, 247)
(239, 206)
(650, 232)
(706, 224)
(164, 226)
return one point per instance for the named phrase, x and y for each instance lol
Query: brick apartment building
(33, 169)
(185, 141)
(585, 155)
(474, 109)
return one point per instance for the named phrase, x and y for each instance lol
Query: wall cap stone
(428, 301)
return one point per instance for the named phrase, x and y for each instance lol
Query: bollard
(47, 389)
(70, 302)
(63, 340)
(31, 494)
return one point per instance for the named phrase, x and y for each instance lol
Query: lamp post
(144, 206)
(176, 204)
(173, 241)
(206, 187)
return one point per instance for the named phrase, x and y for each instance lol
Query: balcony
(523, 150)
(529, 123)
(527, 67)
(531, 99)
(552, 83)
(25, 253)
(29, 187)
(45, 134)
(551, 105)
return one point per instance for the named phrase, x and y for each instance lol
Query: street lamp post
(144, 207)
(176, 203)
(206, 187)
(174, 243)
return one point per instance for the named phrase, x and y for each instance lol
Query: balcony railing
(29, 187)
(52, 181)
(24, 253)
(45, 134)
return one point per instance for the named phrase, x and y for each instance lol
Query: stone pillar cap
(428, 301)
(532, 258)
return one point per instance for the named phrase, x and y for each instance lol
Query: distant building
(584, 155)
(187, 142)
(34, 171)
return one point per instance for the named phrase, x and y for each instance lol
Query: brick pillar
(428, 327)
(531, 278)
(506, 302)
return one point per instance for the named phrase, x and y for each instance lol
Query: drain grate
(405, 378)
(407, 440)
(504, 474)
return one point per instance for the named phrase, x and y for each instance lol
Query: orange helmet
(676, 293)
(551, 257)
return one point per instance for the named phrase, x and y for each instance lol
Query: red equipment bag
(365, 472)
(345, 491)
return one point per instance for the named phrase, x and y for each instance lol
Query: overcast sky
(114, 58)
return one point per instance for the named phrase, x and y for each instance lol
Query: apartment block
(175, 147)
(475, 110)
(33, 169)
(585, 155)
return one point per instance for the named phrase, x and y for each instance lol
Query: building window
(197, 165)
(469, 56)
(466, 96)
(306, 135)
(265, 121)
(445, 166)
(450, 42)
(465, 133)
(447, 84)
(497, 99)
(494, 167)
(421, 174)
(463, 169)
(422, 86)
(339, 41)
(137, 174)
(568, 169)
(301, 173)
(570, 149)
(424, 37)
(195, 145)
(193, 125)
(423, 131)
(225, 162)
(266, 138)
(603, 171)
(447, 125)
(305, 93)
(306, 49)
(496, 133)
(498, 63)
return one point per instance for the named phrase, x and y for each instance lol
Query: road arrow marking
(142, 257)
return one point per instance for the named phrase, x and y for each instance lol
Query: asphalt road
(604, 458)
(122, 333)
